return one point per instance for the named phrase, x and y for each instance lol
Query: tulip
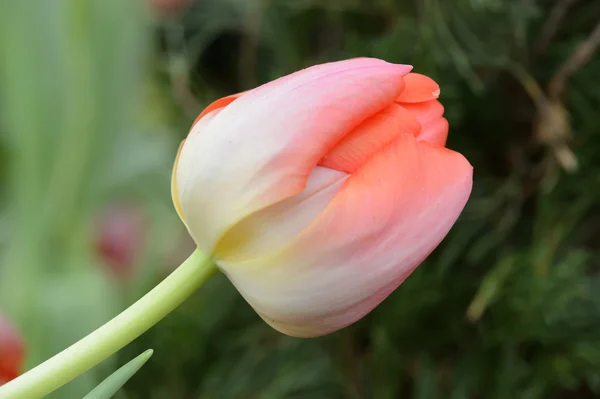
(11, 351)
(317, 194)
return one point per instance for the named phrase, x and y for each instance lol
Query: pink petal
(382, 224)
(370, 137)
(261, 148)
(419, 88)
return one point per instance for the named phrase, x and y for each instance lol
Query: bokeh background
(95, 96)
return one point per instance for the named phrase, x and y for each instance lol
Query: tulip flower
(11, 351)
(319, 193)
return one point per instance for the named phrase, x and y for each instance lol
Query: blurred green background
(95, 96)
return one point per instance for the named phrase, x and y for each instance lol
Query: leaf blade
(107, 388)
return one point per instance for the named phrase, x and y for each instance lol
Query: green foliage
(507, 307)
(69, 90)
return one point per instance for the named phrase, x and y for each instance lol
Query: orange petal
(434, 127)
(435, 133)
(380, 226)
(418, 88)
(370, 137)
(220, 103)
(425, 112)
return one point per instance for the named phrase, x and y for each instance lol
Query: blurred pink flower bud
(119, 237)
(12, 351)
(168, 8)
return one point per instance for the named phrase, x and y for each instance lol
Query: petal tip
(419, 88)
(405, 68)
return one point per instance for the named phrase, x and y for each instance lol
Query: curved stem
(114, 335)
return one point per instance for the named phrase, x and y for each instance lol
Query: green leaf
(116, 380)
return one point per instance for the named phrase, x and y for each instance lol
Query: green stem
(114, 335)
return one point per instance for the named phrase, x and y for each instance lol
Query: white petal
(277, 225)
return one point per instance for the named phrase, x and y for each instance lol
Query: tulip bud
(12, 351)
(317, 194)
